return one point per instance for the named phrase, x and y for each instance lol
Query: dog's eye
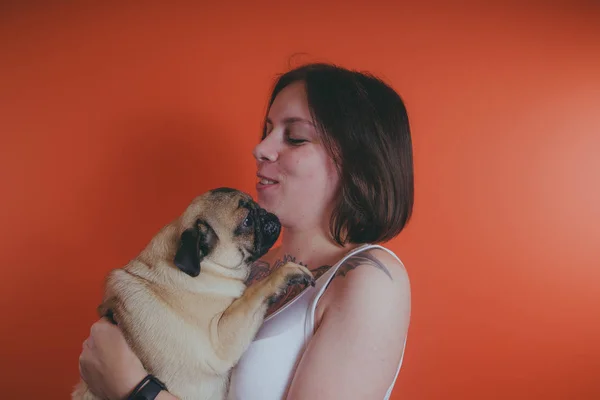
(247, 222)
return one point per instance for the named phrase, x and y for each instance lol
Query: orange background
(114, 117)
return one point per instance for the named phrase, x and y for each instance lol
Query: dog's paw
(284, 279)
(300, 279)
(296, 274)
(289, 280)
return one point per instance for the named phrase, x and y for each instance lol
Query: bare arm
(365, 317)
(109, 366)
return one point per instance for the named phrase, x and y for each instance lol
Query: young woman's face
(297, 179)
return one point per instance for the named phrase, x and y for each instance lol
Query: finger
(94, 328)
(99, 326)
(81, 368)
(88, 343)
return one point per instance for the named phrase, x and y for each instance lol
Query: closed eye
(296, 142)
(292, 137)
(295, 130)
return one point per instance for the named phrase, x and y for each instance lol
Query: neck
(311, 247)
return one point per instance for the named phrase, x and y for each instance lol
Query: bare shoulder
(367, 281)
(371, 270)
(373, 262)
(362, 325)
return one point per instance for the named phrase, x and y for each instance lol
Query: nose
(266, 150)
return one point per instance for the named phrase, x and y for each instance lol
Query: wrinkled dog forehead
(217, 205)
(227, 199)
(226, 193)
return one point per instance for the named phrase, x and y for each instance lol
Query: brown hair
(364, 125)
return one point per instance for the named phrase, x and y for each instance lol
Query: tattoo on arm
(364, 258)
(317, 272)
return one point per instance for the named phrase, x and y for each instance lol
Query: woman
(335, 165)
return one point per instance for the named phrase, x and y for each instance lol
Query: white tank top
(267, 367)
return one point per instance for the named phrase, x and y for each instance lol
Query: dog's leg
(235, 329)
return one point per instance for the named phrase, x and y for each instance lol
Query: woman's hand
(107, 364)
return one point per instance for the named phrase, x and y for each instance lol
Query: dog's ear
(194, 244)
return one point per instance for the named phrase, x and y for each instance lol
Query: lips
(266, 181)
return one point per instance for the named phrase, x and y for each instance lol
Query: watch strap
(147, 389)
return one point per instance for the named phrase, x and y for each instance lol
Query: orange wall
(112, 119)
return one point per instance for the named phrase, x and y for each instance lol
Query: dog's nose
(271, 228)
(270, 223)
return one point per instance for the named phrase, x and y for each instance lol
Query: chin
(274, 208)
(267, 204)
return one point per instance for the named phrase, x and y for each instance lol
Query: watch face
(143, 396)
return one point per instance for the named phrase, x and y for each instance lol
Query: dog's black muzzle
(267, 230)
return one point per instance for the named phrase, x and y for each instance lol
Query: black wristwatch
(147, 389)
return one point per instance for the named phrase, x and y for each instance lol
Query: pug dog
(182, 303)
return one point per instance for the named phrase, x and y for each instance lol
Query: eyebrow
(292, 120)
